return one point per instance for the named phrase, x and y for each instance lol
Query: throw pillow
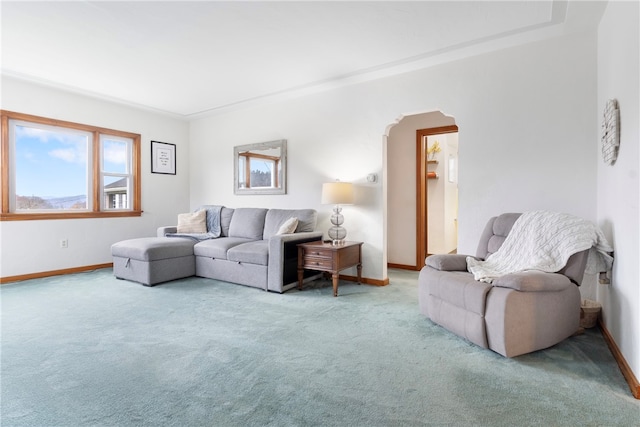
(195, 222)
(289, 226)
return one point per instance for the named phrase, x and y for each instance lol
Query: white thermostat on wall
(610, 138)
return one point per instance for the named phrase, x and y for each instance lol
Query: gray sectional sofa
(249, 251)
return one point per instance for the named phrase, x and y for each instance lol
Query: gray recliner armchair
(517, 313)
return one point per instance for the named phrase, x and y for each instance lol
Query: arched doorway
(402, 188)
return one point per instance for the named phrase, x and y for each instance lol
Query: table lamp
(337, 193)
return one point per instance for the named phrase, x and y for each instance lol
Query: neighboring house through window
(116, 194)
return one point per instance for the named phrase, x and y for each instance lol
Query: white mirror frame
(268, 148)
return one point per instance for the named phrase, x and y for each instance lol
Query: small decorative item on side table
(327, 257)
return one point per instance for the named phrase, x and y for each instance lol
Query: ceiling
(190, 59)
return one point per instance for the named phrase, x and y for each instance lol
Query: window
(258, 170)
(53, 170)
(116, 171)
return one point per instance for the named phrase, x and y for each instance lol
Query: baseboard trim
(42, 274)
(403, 266)
(366, 281)
(627, 373)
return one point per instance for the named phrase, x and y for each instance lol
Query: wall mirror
(260, 168)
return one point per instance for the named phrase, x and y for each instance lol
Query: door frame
(421, 189)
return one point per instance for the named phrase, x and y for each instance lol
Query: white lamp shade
(337, 193)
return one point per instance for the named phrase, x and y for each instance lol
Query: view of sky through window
(115, 154)
(53, 166)
(50, 163)
(261, 173)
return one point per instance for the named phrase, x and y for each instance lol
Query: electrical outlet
(64, 243)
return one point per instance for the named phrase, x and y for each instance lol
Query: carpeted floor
(90, 350)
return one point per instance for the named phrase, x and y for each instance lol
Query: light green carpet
(88, 349)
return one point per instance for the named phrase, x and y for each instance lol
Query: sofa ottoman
(153, 260)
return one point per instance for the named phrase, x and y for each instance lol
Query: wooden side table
(331, 258)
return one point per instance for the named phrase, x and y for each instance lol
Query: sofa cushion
(247, 223)
(307, 219)
(153, 248)
(217, 248)
(494, 234)
(225, 220)
(256, 252)
(193, 222)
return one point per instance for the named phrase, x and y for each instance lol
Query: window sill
(66, 215)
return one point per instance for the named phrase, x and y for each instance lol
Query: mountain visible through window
(51, 169)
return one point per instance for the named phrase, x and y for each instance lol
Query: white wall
(526, 140)
(618, 185)
(33, 246)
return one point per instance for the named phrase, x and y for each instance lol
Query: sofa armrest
(302, 237)
(447, 262)
(162, 231)
(279, 246)
(533, 281)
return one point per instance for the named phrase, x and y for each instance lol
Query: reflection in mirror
(260, 168)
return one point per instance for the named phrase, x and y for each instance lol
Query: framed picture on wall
(163, 158)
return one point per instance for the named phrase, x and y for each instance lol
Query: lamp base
(337, 233)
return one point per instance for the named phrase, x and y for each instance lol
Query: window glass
(262, 172)
(115, 155)
(116, 159)
(116, 192)
(242, 171)
(51, 168)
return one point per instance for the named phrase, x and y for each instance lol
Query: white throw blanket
(544, 241)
